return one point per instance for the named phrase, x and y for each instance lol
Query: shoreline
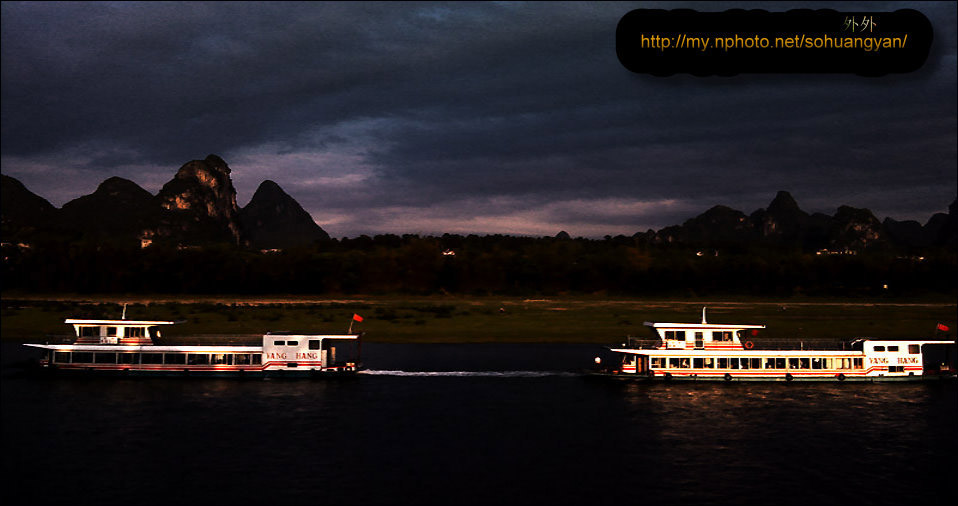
(461, 319)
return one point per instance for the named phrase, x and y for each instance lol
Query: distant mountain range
(784, 224)
(198, 208)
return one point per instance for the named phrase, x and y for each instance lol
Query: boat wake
(472, 374)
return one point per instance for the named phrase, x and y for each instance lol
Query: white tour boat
(709, 351)
(129, 347)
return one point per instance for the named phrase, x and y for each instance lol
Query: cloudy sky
(465, 118)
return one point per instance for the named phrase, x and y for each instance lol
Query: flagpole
(355, 318)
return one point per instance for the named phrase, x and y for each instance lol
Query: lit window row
(79, 357)
(913, 349)
(738, 363)
(679, 335)
(88, 331)
(313, 343)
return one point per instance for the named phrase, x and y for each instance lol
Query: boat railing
(59, 338)
(642, 343)
(210, 340)
(777, 344)
(195, 340)
(792, 344)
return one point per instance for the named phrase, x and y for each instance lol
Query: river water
(473, 424)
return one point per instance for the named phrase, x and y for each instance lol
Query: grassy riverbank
(480, 319)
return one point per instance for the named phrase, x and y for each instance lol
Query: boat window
(709, 363)
(154, 331)
(221, 359)
(111, 331)
(780, 363)
(896, 368)
(675, 335)
(279, 343)
(721, 336)
(892, 348)
(722, 363)
(816, 363)
(241, 359)
(879, 348)
(61, 357)
(82, 357)
(914, 349)
(134, 332)
(697, 363)
(256, 359)
(744, 363)
(89, 331)
(756, 363)
(770, 363)
(826, 363)
(733, 363)
(126, 358)
(658, 362)
(793, 363)
(292, 343)
(104, 358)
(151, 358)
(804, 363)
(678, 363)
(628, 360)
(198, 359)
(175, 358)
(314, 344)
(857, 363)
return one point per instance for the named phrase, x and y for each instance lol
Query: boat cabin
(283, 351)
(703, 336)
(904, 357)
(134, 332)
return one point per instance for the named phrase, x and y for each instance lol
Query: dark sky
(465, 118)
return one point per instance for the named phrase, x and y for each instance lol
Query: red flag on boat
(357, 318)
(942, 327)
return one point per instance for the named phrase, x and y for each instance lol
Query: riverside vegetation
(598, 320)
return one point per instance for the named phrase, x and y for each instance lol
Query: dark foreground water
(523, 430)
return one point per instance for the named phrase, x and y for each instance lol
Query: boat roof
(116, 322)
(311, 336)
(106, 348)
(701, 326)
(903, 341)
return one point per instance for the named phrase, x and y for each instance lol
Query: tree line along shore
(596, 319)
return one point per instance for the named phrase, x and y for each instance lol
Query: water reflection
(521, 432)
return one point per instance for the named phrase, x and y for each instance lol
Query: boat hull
(787, 379)
(192, 373)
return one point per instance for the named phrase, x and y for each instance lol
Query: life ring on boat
(728, 377)
(841, 377)
(749, 345)
(788, 376)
